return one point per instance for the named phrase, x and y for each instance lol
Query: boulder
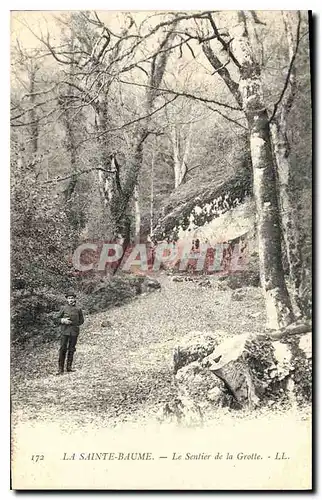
(245, 370)
(215, 395)
(238, 295)
(241, 279)
(181, 410)
(196, 382)
(256, 368)
(206, 283)
(150, 284)
(227, 362)
(194, 346)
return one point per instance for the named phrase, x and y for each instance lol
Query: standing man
(70, 318)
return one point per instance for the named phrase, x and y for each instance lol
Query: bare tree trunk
(137, 212)
(278, 305)
(152, 194)
(286, 207)
(179, 167)
(71, 148)
(117, 197)
(34, 127)
(66, 102)
(283, 168)
(181, 151)
(176, 156)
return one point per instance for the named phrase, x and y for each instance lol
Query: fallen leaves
(124, 369)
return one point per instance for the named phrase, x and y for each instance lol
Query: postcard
(161, 250)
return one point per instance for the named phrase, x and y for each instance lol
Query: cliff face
(230, 225)
(213, 212)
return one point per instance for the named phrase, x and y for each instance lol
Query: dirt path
(124, 371)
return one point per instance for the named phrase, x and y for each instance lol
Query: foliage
(100, 295)
(133, 353)
(40, 230)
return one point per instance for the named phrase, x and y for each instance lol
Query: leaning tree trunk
(116, 203)
(278, 305)
(283, 168)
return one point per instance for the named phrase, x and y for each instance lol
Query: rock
(205, 283)
(256, 368)
(305, 344)
(215, 395)
(106, 324)
(182, 410)
(177, 279)
(228, 363)
(241, 279)
(238, 295)
(283, 360)
(255, 315)
(181, 279)
(196, 382)
(149, 284)
(244, 370)
(221, 285)
(194, 346)
(301, 363)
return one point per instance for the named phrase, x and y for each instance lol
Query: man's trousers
(67, 346)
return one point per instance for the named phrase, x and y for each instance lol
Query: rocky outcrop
(241, 279)
(202, 205)
(199, 383)
(244, 371)
(194, 347)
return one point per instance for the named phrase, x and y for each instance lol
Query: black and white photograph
(161, 250)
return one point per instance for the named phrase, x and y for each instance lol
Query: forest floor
(124, 368)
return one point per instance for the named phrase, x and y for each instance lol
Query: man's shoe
(70, 370)
(60, 372)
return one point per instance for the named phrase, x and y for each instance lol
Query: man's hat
(70, 293)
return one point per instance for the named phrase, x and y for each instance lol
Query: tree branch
(193, 168)
(222, 41)
(76, 174)
(34, 121)
(185, 94)
(289, 73)
(227, 117)
(32, 108)
(40, 92)
(131, 122)
(223, 72)
(256, 18)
